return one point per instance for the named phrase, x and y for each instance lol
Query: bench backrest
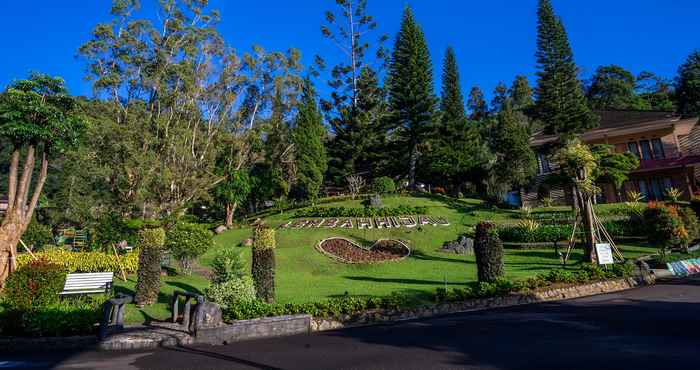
(88, 283)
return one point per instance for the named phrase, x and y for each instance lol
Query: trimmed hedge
(85, 261)
(263, 264)
(34, 285)
(151, 243)
(345, 305)
(187, 241)
(561, 232)
(488, 250)
(76, 316)
(401, 210)
(502, 287)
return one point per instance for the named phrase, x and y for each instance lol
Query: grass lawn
(303, 274)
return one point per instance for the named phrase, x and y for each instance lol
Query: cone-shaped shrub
(488, 250)
(263, 268)
(150, 243)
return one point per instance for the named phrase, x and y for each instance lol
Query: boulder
(211, 315)
(247, 242)
(220, 229)
(463, 245)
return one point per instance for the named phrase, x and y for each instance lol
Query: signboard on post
(604, 253)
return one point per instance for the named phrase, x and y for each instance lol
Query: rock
(247, 242)
(220, 229)
(376, 201)
(463, 245)
(211, 315)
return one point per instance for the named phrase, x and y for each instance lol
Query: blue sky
(494, 40)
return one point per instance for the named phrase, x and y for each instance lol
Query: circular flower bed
(347, 251)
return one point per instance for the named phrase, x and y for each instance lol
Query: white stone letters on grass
(366, 222)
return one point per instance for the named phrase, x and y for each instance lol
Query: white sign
(605, 254)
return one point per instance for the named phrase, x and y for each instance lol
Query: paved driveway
(654, 327)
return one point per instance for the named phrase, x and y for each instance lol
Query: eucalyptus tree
(176, 85)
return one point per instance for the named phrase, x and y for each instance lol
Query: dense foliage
(412, 101)
(384, 185)
(560, 104)
(488, 250)
(688, 86)
(227, 265)
(187, 241)
(665, 227)
(263, 265)
(35, 285)
(86, 261)
(37, 235)
(150, 243)
(76, 316)
(232, 292)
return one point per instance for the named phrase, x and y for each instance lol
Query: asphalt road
(654, 327)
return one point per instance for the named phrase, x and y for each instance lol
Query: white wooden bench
(88, 283)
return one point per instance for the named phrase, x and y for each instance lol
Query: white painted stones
(366, 222)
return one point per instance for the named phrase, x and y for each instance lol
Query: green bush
(150, 242)
(488, 251)
(187, 241)
(37, 235)
(327, 212)
(232, 292)
(690, 221)
(76, 316)
(384, 185)
(664, 226)
(227, 265)
(35, 285)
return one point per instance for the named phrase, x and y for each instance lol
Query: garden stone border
(341, 260)
(384, 316)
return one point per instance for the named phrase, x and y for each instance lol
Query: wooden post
(119, 262)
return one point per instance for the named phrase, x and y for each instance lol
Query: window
(658, 148)
(633, 148)
(646, 150)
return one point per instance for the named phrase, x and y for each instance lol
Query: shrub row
(501, 287)
(401, 210)
(555, 233)
(78, 316)
(346, 305)
(85, 261)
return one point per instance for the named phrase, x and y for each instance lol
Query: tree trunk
(20, 207)
(589, 225)
(230, 208)
(10, 233)
(412, 166)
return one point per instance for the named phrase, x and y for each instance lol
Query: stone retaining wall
(255, 329)
(383, 316)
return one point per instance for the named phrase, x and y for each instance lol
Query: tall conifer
(308, 135)
(412, 98)
(561, 104)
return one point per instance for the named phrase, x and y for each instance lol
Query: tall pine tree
(478, 109)
(412, 99)
(308, 135)
(688, 86)
(561, 104)
(457, 151)
(515, 163)
(521, 93)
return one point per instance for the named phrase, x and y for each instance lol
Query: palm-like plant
(674, 194)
